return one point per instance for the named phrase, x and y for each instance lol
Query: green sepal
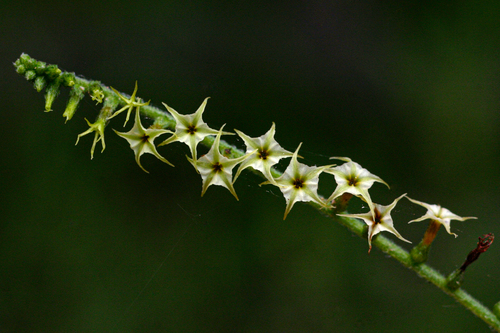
(68, 79)
(420, 253)
(40, 68)
(455, 279)
(26, 59)
(75, 96)
(51, 93)
(30, 75)
(52, 72)
(20, 68)
(40, 83)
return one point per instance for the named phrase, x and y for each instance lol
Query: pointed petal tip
(146, 171)
(345, 159)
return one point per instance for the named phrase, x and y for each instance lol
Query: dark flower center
(378, 217)
(263, 154)
(353, 181)
(217, 167)
(298, 183)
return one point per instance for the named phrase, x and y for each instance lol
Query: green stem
(43, 75)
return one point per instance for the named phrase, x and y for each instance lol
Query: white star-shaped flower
(267, 152)
(354, 179)
(190, 128)
(299, 182)
(216, 169)
(141, 140)
(439, 214)
(380, 221)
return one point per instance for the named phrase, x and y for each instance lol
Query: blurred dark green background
(408, 90)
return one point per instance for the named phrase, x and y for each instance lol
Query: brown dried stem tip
(455, 279)
(483, 245)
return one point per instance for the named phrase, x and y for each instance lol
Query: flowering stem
(51, 77)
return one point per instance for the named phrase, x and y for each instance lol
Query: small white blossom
(299, 182)
(354, 179)
(216, 169)
(190, 128)
(267, 152)
(141, 140)
(439, 214)
(380, 221)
